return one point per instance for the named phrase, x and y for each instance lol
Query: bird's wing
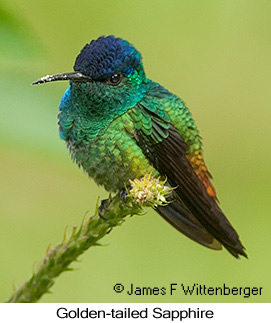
(196, 211)
(184, 221)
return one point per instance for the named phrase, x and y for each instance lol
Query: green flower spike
(147, 191)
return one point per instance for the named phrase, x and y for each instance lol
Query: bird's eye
(114, 79)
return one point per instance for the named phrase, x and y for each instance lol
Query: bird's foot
(123, 196)
(102, 207)
(104, 203)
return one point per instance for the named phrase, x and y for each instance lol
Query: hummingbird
(119, 125)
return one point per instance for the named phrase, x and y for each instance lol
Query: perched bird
(120, 125)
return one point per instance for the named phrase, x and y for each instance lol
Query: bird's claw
(123, 196)
(102, 207)
(104, 203)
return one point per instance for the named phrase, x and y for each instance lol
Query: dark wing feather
(196, 214)
(184, 221)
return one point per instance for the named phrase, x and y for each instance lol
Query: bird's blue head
(107, 60)
(108, 80)
(107, 56)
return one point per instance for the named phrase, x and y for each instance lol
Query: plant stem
(58, 259)
(147, 191)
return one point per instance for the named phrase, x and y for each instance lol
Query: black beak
(73, 76)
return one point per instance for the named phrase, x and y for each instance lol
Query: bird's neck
(84, 112)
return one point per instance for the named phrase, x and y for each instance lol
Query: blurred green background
(216, 56)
